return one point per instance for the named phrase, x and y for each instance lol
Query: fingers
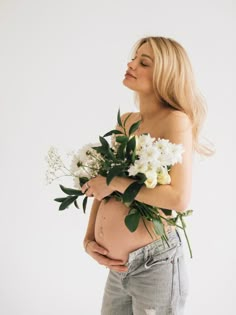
(93, 245)
(112, 264)
(85, 188)
(99, 254)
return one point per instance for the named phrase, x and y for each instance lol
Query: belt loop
(146, 253)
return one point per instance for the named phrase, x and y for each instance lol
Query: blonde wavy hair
(174, 84)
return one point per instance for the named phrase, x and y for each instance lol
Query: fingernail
(105, 252)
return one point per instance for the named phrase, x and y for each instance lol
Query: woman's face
(139, 76)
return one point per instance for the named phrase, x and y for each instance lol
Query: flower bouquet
(144, 159)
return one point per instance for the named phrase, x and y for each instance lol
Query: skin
(107, 239)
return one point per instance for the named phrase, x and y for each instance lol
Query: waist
(156, 247)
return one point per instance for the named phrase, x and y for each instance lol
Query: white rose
(163, 176)
(151, 180)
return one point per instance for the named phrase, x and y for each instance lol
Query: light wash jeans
(156, 282)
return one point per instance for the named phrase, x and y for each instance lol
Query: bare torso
(110, 229)
(112, 233)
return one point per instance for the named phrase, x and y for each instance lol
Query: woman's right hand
(99, 253)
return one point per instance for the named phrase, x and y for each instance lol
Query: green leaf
(69, 200)
(76, 204)
(134, 127)
(130, 149)
(70, 191)
(131, 192)
(122, 139)
(60, 199)
(114, 131)
(141, 178)
(85, 203)
(119, 119)
(121, 151)
(83, 180)
(127, 119)
(166, 211)
(158, 227)
(132, 220)
(104, 142)
(115, 171)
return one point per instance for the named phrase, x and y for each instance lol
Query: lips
(130, 74)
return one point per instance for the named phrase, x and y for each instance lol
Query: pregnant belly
(112, 233)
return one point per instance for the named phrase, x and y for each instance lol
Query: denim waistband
(156, 246)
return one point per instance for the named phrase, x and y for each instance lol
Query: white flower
(138, 167)
(149, 154)
(163, 176)
(114, 145)
(177, 152)
(151, 180)
(86, 162)
(87, 151)
(55, 165)
(143, 141)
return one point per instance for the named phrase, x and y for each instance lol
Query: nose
(131, 64)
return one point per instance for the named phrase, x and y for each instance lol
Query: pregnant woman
(146, 276)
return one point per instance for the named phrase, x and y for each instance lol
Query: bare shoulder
(177, 121)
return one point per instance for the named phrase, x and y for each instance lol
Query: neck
(149, 106)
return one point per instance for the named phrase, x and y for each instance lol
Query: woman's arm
(177, 194)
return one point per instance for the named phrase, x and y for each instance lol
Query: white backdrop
(61, 67)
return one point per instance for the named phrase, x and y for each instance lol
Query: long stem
(189, 247)
(143, 219)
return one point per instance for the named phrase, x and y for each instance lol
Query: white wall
(62, 63)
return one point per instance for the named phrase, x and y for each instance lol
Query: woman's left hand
(97, 188)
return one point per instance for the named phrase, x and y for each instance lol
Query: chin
(129, 86)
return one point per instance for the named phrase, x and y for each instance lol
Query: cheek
(148, 78)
